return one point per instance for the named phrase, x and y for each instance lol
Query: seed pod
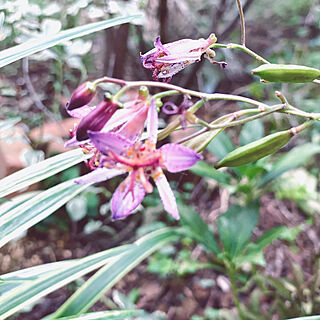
(286, 73)
(256, 150)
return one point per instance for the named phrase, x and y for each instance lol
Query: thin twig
(243, 29)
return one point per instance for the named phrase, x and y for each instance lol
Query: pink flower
(141, 161)
(168, 59)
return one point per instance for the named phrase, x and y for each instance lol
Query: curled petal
(152, 124)
(98, 175)
(124, 202)
(80, 112)
(178, 158)
(166, 194)
(158, 45)
(104, 141)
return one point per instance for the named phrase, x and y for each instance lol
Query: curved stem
(240, 47)
(243, 29)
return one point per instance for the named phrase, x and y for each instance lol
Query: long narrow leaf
(106, 315)
(18, 278)
(28, 213)
(106, 277)
(40, 171)
(35, 45)
(34, 290)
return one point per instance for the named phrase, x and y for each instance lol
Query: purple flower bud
(96, 119)
(82, 96)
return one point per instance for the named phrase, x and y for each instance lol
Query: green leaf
(221, 145)
(109, 275)
(32, 291)
(28, 213)
(251, 131)
(293, 159)
(35, 45)
(253, 251)
(306, 318)
(7, 124)
(195, 227)
(235, 227)
(203, 169)
(18, 278)
(41, 170)
(106, 315)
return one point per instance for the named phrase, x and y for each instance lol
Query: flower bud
(286, 73)
(96, 119)
(143, 92)
(256, 150)
(82, 96)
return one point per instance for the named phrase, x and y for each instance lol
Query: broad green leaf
(32, 291)
(253, 251)
(30, 212)
(251, 131)
(196, 228)
(220, 146)
(41, 170)
(106, 315)
(110, 274)
(203, 169)
(35, 45)
(293, 159)
(235, 227)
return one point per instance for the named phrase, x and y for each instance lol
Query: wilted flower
(171, 108)
(141, 161)
(82, 96)
(168, 59)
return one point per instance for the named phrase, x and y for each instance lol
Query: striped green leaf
(31, 291)
(110, 274)
(41, 170)
(28, 213)
(106, 315)
(35, 45)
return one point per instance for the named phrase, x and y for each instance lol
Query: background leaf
(35, 45)
(235, 227)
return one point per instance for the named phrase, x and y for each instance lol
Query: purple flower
(82, 96)
(141, 161)
(168, 59)
(92, 119)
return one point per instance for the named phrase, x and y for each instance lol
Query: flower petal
(104, 141)
(80, 112)
(73, 142)
(152, 124)
(98, 175)
(123, 203)
(166, 194)
(158, 44)
(178, 158)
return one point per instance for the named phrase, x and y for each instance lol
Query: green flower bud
(256, 150)
(286, 73)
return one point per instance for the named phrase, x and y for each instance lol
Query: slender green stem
(243, 121)
(231, 273)
(201, 95)
(243, 29)
(240, 47)
(165, 94)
